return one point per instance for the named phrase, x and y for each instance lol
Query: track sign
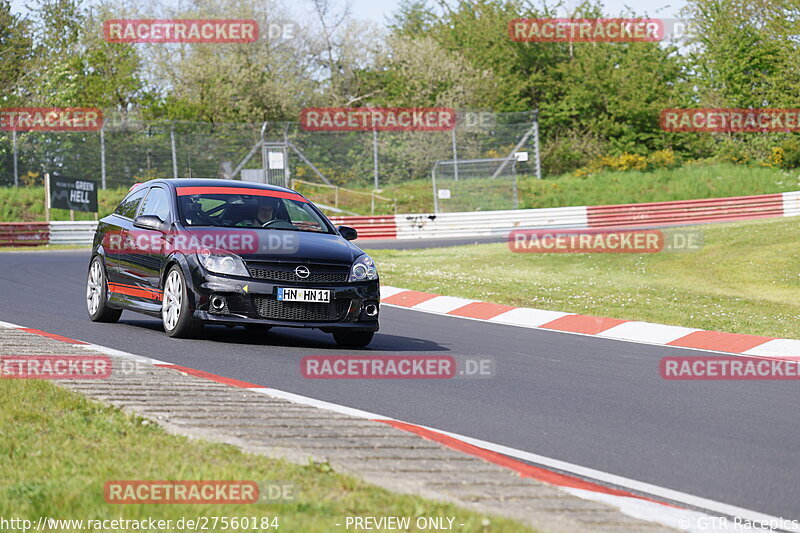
(444, 194)
(69, 193)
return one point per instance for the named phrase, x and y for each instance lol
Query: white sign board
(444, 194)
(275, 160)
(521, 156)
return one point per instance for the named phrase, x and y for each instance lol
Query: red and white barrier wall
(653, 214)
(487, 223)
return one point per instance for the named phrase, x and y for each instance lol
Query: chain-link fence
(475, 185)
(128, 151)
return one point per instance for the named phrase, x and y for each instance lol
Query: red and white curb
(611, 328)
(639, 500)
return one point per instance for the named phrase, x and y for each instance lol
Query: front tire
(97, 294)
(352, 339)
(175, 312)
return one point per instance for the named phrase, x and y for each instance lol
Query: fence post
(536, 144)
(103, 155)
(375, 156)
(264, 153)
(16, 171)
(47, 197)
(287, 172)
(516, 194)
(435, 192)
(174, 152)
(372, 204)
(455, 154)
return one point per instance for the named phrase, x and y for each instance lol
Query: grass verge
(58, 449)
(746, 279)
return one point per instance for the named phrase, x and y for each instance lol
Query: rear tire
(97, 294)
(352, 339)
(175, 312)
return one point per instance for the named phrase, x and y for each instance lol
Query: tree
(15, 54)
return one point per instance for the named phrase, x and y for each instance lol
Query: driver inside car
(265, 213)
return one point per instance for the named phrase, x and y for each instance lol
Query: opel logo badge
(302, 272)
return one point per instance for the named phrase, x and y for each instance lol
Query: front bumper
(252, 301)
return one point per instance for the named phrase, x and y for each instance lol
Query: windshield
(262, 209)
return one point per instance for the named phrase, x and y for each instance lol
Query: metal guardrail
(383, 227)
(483, 223)
(687, 211)
(24, 234)
(72, 232)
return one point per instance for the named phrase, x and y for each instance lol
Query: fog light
(219, 305)
(371, 310)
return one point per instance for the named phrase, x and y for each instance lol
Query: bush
(790, 152)
(570, 152)
(626, 161)
(662, 159)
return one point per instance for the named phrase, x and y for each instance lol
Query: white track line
(683, 519)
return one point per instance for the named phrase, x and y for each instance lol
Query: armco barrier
(487, 223)
(383, 227)
(652, 214)
(72, 232)
(24, 234)
(686, 211)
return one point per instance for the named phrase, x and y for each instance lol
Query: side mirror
(348, 233)
(150, 222)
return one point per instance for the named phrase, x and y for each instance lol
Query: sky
(378, 10)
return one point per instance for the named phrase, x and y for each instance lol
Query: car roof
(207, 182)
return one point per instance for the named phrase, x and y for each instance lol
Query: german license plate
(304, 295)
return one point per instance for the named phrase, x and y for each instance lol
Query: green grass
(684, 183)
(57, 450)
(746, 279)
(45, 248)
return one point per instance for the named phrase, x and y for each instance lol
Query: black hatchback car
(196, 252)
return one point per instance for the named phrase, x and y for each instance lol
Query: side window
(128, 207)
(156, 204)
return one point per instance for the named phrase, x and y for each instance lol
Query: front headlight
(222, 263)
(363, 269)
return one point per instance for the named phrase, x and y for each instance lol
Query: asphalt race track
(590, 401)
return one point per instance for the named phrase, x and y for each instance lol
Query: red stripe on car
(186, 191)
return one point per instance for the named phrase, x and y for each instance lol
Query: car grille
(285, 272)
(270, 308)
